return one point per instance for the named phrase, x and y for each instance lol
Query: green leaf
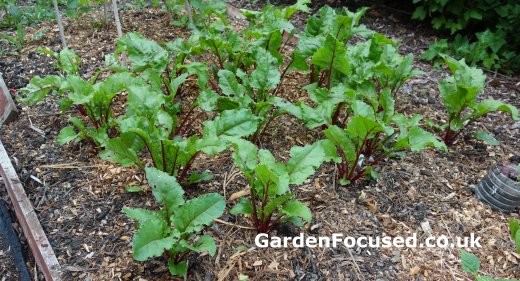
(197, 212)
(39, 87)
(196, 177)
(490, 105)
(340, 139)
(82, 91)
(304, 161)
(420, 139)
(469, 262)
(177, 269)
(143, 53)
(204, 243)
(266, 75)
(419, 13)
(243, 207)
(298, 209)
(231, 124)
(514, 229)
(275, 204)
(483, 136)
(66, 135)
(165, 189)
(244, 155)
(199, 69)
(151, 240)
(141, 215)
(121, 150)
(228, 83)
(333, 53)
(69, 62)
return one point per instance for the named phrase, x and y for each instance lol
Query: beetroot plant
(271, 201)
(91, 98)
(460, 93)
(173, 231)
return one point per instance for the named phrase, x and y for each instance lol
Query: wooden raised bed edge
(38, 242)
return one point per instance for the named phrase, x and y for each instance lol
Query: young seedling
(173, 231)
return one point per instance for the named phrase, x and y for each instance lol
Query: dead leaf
(415, 270)
(239, 194)
(273, 265)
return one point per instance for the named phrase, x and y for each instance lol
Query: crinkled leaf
(69, 61)
(142, 52)
(228, 83)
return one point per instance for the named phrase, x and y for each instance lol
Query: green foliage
(355, 105)
(493, 22)
(153, 119)
(271, 200)
(19, 41)
(471, 264)
(92, 99)
(174, 229)
(460, 93)
(323, 42)
(201, 12)
(514, 228)
(17, 12)
(247, 72)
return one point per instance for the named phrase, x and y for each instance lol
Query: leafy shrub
(460, 93)
(173, 230)
(493, 22)
(270, 203)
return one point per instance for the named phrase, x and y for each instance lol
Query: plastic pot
(499, 191)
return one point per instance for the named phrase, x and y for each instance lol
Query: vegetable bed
(83, 201)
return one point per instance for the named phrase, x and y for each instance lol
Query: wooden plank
(8, 109)
(40, 246)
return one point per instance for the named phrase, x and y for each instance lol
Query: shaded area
(12, 265)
